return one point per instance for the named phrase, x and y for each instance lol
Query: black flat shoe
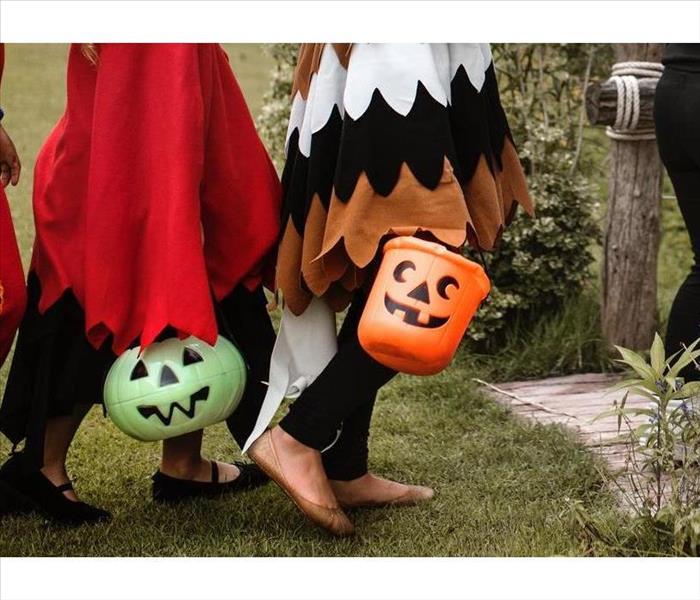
(172, 489)
(23, 491)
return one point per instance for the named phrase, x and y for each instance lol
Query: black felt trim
(478, 126)
(381, 140)
(303, 176)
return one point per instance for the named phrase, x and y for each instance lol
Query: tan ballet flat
(332, 519)
(415, 494)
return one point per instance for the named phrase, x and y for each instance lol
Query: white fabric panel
(305, 345)
(296, 118)
(394, 70)
(441, 58)
(476, 59)
(325, 92)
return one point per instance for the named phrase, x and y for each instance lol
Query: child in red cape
(156, 210)
(13, 295)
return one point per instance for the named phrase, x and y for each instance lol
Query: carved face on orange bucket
(420, 305)
(428, 304)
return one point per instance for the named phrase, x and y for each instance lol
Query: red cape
(13, 293)
(152, 192)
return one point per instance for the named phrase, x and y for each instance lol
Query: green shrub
(274, 116)
(543, 261)
(565, 341)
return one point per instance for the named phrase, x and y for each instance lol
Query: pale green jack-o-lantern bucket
(174, 387)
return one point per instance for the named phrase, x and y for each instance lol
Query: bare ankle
(289, 443)
(55, 472)
(183, 468)
(350, 482)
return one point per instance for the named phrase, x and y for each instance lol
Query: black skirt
(54, 368)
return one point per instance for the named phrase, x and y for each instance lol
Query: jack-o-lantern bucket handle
(420, 305)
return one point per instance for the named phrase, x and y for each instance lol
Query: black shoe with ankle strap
(172, 489)
(25, 489)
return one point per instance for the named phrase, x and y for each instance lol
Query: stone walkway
(573, 401)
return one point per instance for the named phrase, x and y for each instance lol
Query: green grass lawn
(503, 487)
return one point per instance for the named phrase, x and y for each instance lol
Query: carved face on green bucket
(174, 387)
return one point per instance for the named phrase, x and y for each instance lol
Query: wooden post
(631, 238)
(601, 103)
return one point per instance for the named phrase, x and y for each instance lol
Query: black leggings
(677, 116)
(341, 398)
(243, 317)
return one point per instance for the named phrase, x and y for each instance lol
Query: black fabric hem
(381, 140)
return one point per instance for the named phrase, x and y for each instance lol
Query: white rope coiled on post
(626, 76)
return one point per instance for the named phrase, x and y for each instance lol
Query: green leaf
(645, 393)
(658, 355)
(642, 429)
(636, 362)
(650, 412)
(690, 389)
(671, 383)
(620, 413)
(606, 413)
(687, 356)
(632, 383)
(670, 359)
(623, 384)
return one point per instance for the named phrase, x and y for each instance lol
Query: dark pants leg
(247, 321)
(342, 395)
(348, 457)
(677, 116)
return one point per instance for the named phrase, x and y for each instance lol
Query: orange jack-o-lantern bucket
(420, 305)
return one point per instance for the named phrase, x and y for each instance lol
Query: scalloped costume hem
(390, 139)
